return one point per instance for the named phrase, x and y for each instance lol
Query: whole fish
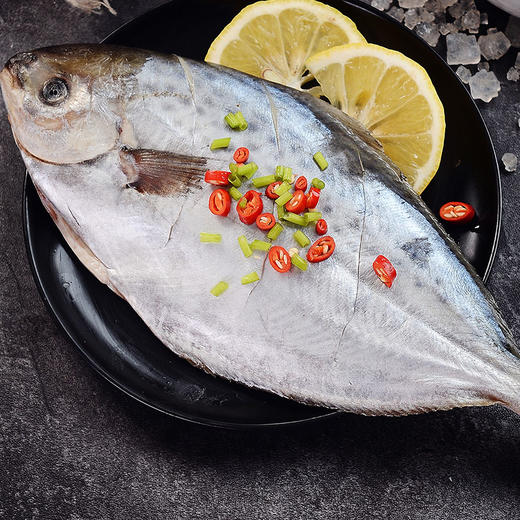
(117, 142)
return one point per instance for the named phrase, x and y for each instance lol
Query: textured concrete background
(73, 447)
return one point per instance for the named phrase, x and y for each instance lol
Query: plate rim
(208, 421)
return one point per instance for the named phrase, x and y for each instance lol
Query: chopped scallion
(312, 216)
(295, 219)
(318, 183)
(223, 142)
(233, 168)
(280, 211)
(282, 188)
(249, 278)
(247, 170)
(278, 173)
(301, 238)
(287, 174)
(275, 231)
(299, 262)
(235, 194)
(243, 203)
(234, 179)
(242, 123)
(220, 288)
(244, 245)
(210, 237)
(284, 199)
(260, 245)
(320, 161)
(260, 182)
(232, 120)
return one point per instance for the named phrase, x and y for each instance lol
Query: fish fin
(161, 173)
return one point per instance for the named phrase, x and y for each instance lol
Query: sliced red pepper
(321, 227)
(241, 155)
(217, 178)
(279, 258)
(269, 191)
(321, 249)
(220, 202)
(298, 202)
(313, 197)
(385, 270)
(252, 209)
(459, 212)
(301, 183)
(265, 221)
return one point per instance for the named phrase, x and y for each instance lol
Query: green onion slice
(275, 231)
(223, 142)
(235, 194)
(312, 216)
(210, 237)
(282, 188)
(232, 120)
(318, 183)
(284, 199)
(244, 245)
(249, 278)
(260, 245)
(261, 182)
(301, 238)
(320, 161)
(247, 170)
(234, 179)
(242, 123)
(299, 262)
(294, 218)
(220, 288)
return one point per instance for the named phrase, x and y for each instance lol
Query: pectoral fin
(161, 173)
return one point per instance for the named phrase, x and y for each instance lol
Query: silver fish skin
(118, 156)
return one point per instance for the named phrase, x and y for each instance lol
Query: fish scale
(334, 335)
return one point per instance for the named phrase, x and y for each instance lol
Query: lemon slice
(273, 39)
(395, 100)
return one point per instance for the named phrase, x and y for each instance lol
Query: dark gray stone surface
(73, 447)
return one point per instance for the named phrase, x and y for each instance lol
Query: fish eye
(54, 91)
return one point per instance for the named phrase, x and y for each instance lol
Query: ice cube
(510, 162)
(428, 32)
(471, 20)
(483, 65)
(382, 5)
(447, 3)
(463, 49)
(407, 4)
(435, 6)
(493, 45)
(484, 20)
(512, 31)
(397, 13)
(463, 73)
(484, 85)
(412, 18)
(513, 74)
(447, 28)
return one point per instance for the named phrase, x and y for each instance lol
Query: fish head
(64, 102)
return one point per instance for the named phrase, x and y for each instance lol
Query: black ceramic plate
(118, 343)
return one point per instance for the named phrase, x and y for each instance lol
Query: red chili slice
(265, 221)
(321, 249)
(217, 178)
(269, 191)
(220, 202)
(321, 226)
(301, 183)
(298, 202)
(313, 197)
(252, 209)
(385, 270)
(241, 155)
(459, 212)
(279, 258)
